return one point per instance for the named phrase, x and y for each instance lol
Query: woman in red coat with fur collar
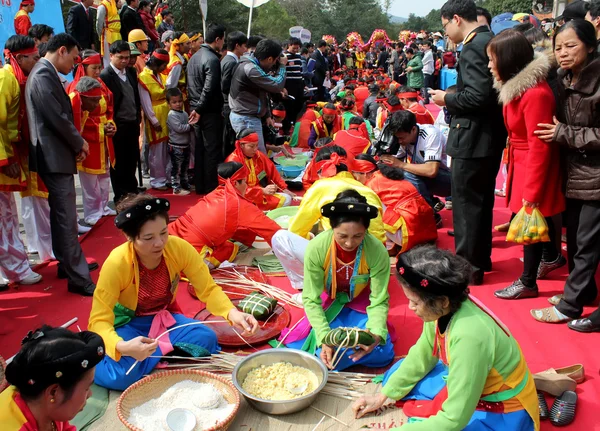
(534, 174)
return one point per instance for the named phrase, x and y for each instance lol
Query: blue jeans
(111, 374)
(241, 122)
(427, 187)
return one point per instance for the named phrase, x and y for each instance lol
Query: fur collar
(527, 78)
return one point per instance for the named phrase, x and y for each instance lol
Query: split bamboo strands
(233, 278)
(339, 384)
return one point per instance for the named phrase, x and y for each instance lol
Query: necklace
(347, 266)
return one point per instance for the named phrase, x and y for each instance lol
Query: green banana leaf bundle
(260, 306)
(348, 337)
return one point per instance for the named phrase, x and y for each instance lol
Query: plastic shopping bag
(528, 227)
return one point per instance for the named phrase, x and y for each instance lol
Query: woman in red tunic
(534, 179)
(266, 188)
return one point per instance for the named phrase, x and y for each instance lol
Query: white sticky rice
(204, 400)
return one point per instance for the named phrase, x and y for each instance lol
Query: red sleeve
(539, 105)
(256, 221)
(255, 194)
(22, 25)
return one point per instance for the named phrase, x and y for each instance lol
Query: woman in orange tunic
(263, 178)
(98, 131)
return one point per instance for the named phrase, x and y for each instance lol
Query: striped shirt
(294, 66)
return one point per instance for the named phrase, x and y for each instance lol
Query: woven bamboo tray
(3, 382)
(154, 385)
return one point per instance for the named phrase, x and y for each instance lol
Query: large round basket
(154, 385)
(3, 382)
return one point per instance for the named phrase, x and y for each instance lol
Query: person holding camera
(422, 156)
(250, 84)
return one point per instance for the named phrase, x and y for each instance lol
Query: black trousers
(533, 253)
(63, 227)
(228, 134)
(428, 82)
(209, 151)
(583, 247)
(473, 182)
(180, 162)
(293, 107)
(127, 153)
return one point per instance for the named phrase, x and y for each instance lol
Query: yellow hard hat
(137, 35)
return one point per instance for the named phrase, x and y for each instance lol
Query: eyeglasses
(446, 24)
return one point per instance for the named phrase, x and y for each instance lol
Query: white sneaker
(90, 221)
(108, 211)
(32, 278)
(82, 229)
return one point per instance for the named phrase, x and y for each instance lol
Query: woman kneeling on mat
(134, 302)
(51, 378)
(346, 276)
(466, 371)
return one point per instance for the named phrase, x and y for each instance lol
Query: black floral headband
(143, 210)
(339, 208)
(420, 281)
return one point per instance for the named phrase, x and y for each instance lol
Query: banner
(305, 35)
(46, 12)
(296, 31)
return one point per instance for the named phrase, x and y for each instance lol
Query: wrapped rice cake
(260, 306)
(348, 337)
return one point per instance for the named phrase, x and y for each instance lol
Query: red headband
(240, 174)
(250, 139)
(26, 51)
(393, 108)
(329, 111)
(413, 95)
(161, 57)
(93, 59)
(278, 113)
(363, 166)
(328, 168)
(28, 3)
(94, 92)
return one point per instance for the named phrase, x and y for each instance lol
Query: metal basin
(271, 356)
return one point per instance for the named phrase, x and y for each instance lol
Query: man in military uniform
(477, 136)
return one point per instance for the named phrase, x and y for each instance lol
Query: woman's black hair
(132, 230)
(56, 343)
(347, 197)
(536, 35)
(326, 152)
(245, 132)
(441, 267)
(227, 169)
(585, 31)
(347, 104)
(155, 63)
(86, 53)
(391, 172)
(321, 142)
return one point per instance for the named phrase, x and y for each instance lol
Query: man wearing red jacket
(232, 217)
(22, 20)
(353, 140)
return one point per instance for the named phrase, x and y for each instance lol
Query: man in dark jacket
(206, 102)
(236, 47)
(320, 71)
(80, 24)
(371, 105)
(130, 19)
(477, 137)
(121, 80)
(56, 147)
(251, 83)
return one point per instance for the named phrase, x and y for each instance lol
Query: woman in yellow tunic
(134, 301)
(153, 98)
(98, 131)
(175, 72)
(108, 27)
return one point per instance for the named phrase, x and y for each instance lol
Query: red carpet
(544, 345)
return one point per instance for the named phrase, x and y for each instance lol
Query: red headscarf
(80, 72)
(250, 139)
(240, 174)
(363, 166)
(18, 72)
(328, 168)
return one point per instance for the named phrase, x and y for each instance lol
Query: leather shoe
(583, 325)
(517, 290)
(62, 274)
(477, 278)
(82, 290)
(450, 233)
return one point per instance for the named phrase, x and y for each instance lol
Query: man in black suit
(320, 71)
(477, 136)
(56, 147)
(131, 19)
(80, 24)
(122, 82)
